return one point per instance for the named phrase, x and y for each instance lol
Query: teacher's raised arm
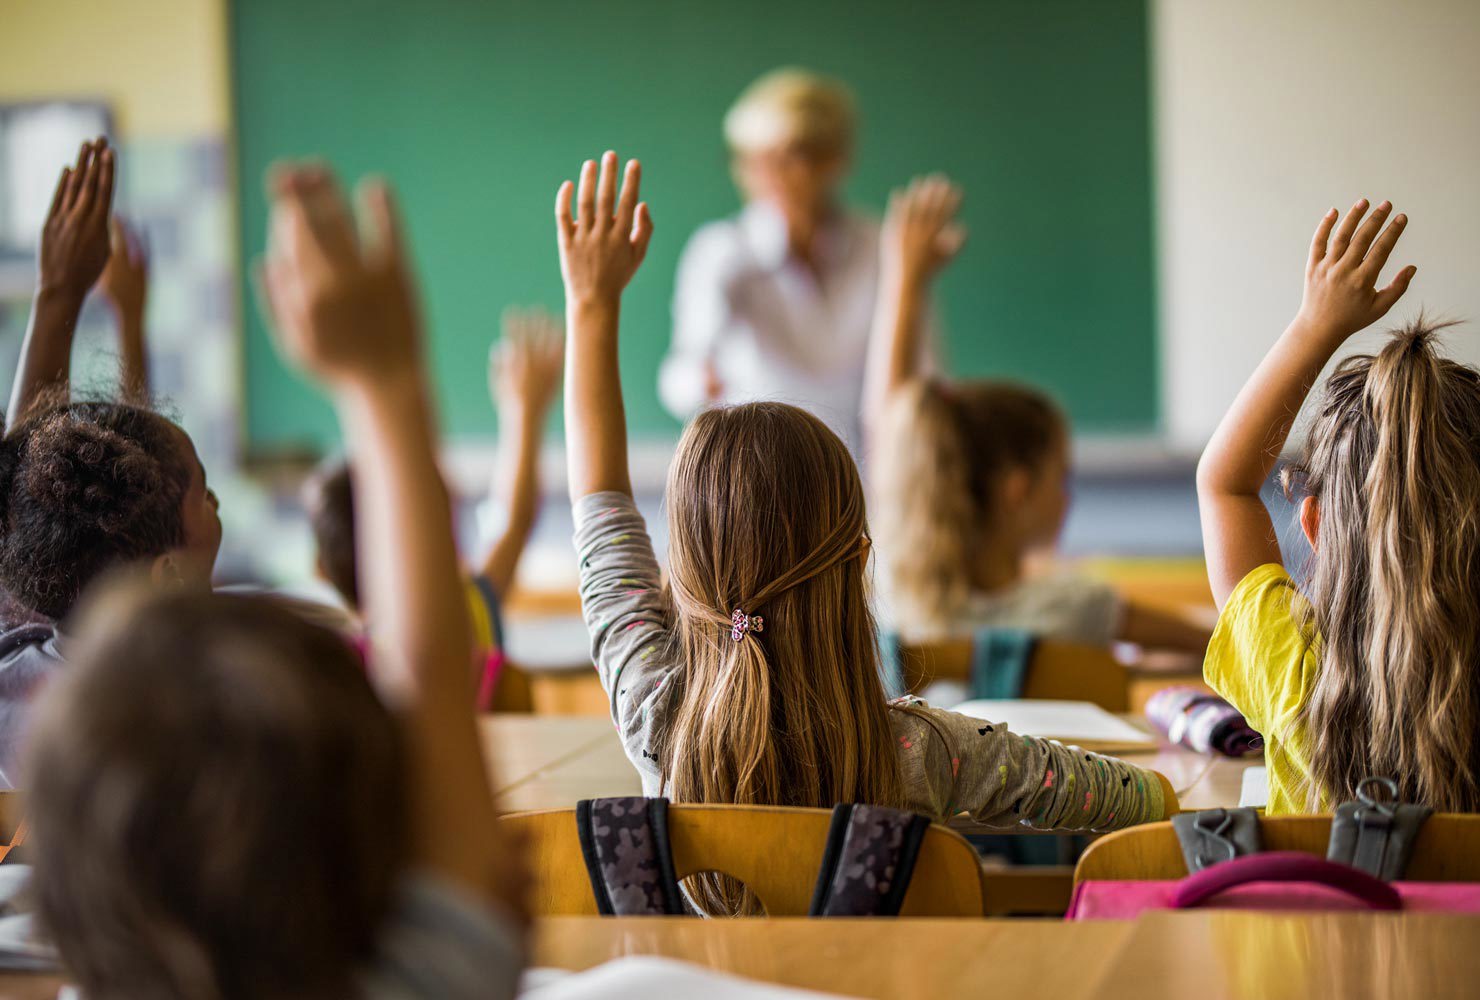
(776, 302)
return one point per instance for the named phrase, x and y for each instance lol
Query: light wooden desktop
(1209, 954)
(552, 762)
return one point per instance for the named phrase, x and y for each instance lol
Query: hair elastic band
(741, 623)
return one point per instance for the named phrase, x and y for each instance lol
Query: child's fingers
(1376, 257)
(324, 216)
(381, 222)
(951, 239)
(565, 225)
(102, 204)
(266, 296)
(1389, 296)
(1348, 226)
(642, 231)
(87, 181)
(1322, 237)
(586, 196)
(79, 174)
(606, 189)
(59, 197)
(1366, 233)
(631, 185)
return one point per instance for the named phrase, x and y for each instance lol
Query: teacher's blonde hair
(792, 105)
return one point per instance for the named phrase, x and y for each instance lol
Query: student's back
(1370, 666)
(754, 678)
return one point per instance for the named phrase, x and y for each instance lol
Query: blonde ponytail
(1394, 583)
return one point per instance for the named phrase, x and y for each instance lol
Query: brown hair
(1393, 588)
(939, 459)
(766, 515)
(218, 803)
(86, 487)
(330, 499)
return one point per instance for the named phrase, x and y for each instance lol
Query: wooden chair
(1447, 850)
(775, 850)
(1062, 670)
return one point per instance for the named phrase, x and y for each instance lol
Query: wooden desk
(519, 746)
(580, 758)
(915, 959)
(1208, 954)
(1213, 955)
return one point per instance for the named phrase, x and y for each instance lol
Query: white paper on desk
(1255, 789)
(1067, 721)
(643, 977)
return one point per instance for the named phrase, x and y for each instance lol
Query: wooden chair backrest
(775, 850)
(1059, 670)
(1447, 850)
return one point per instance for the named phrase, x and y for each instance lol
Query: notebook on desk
(1079, 723)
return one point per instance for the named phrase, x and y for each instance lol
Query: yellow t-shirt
(1264, 664)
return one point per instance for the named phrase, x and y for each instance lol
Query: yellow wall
(160, 63)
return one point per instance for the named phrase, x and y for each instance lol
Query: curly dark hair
(85, 487)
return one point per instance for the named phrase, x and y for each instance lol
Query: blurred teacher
(776, 302)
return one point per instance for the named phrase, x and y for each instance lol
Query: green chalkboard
(477, 110)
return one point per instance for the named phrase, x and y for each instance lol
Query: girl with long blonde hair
(753, 676)
(1371, 665)
(969, 478)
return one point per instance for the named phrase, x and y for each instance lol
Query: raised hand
(125, 284)
(525, 365)
(602, 246)
(921, 232)
(342, 305)
(74, 239)
(1341, 294)
(125, 279)
(74, 249)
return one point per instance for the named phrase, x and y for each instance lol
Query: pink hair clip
(740, 623)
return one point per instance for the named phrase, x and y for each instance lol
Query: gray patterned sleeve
(622, 602)
(961, 764)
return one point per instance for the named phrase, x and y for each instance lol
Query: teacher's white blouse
(771, 327)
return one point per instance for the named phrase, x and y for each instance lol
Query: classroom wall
(478, 110)
(1267, 113)
(162, 67)
(160, 63)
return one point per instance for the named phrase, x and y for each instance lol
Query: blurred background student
(776, 301)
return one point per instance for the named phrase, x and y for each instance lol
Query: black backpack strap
(628, 856)
(868, 861)
(1216, 835)
(1376, 834)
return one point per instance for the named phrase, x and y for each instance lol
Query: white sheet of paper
(1255, 789)
(1066, 721)
(643, 977)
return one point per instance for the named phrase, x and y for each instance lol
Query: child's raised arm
(344, 312)
(600, 249)
(921, 234)
(74, 248)
(1341, 297)
(125, 284)
(524, 375)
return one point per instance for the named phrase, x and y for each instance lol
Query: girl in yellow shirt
(1371, 666)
